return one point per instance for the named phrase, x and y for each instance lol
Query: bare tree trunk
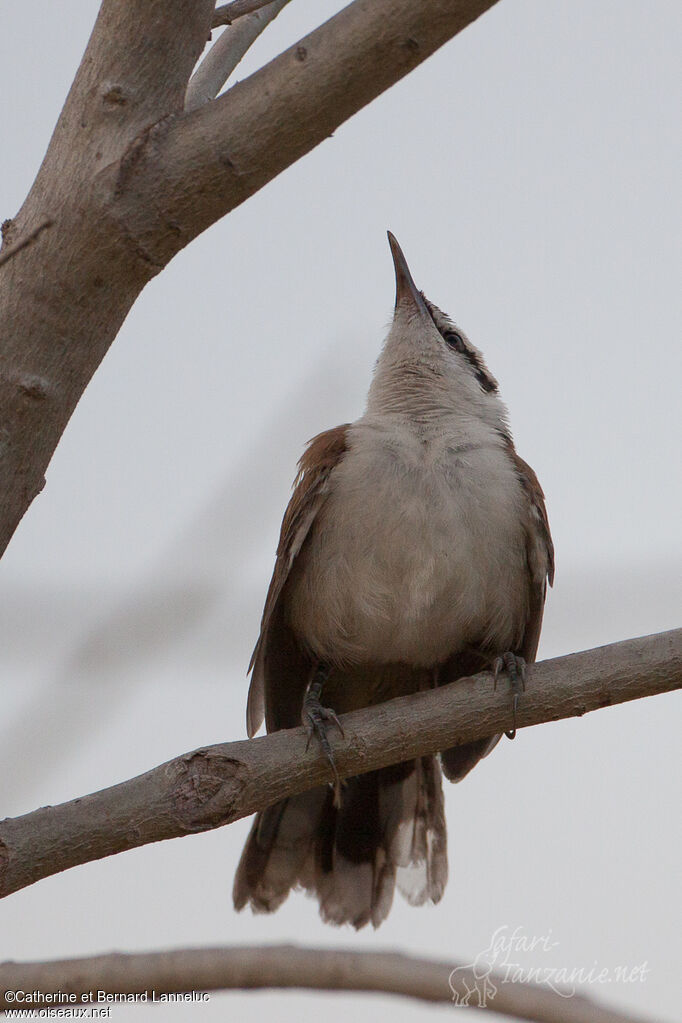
(63, 299)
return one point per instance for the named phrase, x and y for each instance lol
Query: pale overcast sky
(530, 170)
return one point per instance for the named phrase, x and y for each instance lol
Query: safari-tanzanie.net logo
(515, 957)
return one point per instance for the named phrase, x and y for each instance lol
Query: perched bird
(415, 550)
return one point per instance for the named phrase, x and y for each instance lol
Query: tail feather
(459, 760)
(424, 877)
(278, 846)
(390, 827)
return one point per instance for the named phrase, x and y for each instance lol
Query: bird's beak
(406, 291)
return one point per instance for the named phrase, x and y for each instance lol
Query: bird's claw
(515, 667)
(316, 721)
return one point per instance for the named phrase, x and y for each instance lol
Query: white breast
(418, 551)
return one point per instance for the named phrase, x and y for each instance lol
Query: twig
(228, 13)
(210, 787)
(226, 53)
(290, 966)
(25, 242)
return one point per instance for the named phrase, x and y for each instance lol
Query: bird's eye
(455, 340)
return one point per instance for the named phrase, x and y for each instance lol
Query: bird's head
(427, 359)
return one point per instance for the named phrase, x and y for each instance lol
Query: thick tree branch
(23, 243)
(134, 72)
(210, 787)
(226, 53)
(129, 180)
(63, 300)
(290, 966)
(204, 164)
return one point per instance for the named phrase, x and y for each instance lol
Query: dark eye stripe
(455, 341)
(484, 380)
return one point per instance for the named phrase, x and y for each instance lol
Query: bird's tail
(389, 830)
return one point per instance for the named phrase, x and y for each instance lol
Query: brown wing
(276, 645)
(459, 760)
(539, 552)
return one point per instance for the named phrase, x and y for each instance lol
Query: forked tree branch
(269, 120)
(210, 787)
(291, 966)
(226, 53)
(145, 178)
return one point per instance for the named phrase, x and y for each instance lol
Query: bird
(415, 550)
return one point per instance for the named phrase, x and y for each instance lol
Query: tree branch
(226, 53)
(212, 159)
(52, 337)
(144, 179)
(210, 787)
(134, 72)
(290, 966)
(228, 13)
(19, 246)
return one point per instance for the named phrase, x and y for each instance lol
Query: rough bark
(210, 787)
(129, 180)
(290, 966)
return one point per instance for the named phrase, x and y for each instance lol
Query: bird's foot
(515, 667)
(316, 721)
